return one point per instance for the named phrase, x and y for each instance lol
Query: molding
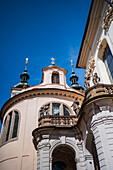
(102, 119)
(57, 67)
(39, 133)
(91, 32)
(37, 93)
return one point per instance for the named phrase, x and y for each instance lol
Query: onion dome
(74, 80)
(24, 78)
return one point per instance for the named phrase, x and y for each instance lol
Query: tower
(24, 78)
(74, 80)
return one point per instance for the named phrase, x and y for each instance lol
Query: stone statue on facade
(76, 106)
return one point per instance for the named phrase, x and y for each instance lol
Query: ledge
(98, 90)
(52, 120)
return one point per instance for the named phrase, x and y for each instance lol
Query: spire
(74, 80)
(24, 78)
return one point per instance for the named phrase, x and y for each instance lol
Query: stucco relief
(96, 79)
(45, 109)
(108, 18)
(89, 72)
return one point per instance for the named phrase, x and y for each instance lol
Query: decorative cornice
(99, 89)
(39, 92)
(42, 133)
(108, 119)
(108, 18)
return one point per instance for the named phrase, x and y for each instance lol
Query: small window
(10, 127)
(15, 128)
(56, 109)
(108, 61)
(55, 78)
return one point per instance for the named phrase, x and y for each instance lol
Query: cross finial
(26, 64)
(53, 63)
(26, 60)
(72, 66)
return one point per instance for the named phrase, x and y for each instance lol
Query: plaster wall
(21, 152)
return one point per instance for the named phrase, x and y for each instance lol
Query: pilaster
(43, 155)
(102, 128)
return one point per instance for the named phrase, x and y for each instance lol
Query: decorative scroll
(89, 72)
(108, 18)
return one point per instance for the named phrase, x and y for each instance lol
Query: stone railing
(51, 120)
(99, 89)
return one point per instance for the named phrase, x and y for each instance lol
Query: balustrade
(51, 120)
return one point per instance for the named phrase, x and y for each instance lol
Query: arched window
(66, 111)
(55, 78)
(56, 109)
(108, 61)
(10, 127)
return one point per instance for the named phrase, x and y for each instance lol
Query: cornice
(45, 133)
(86, 104)
(90, 32)
(50, 67)
(36, 93)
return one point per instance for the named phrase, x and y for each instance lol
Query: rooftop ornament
(53, 61)
(24, 78)
(74, 80)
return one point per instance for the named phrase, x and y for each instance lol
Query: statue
(76, 106)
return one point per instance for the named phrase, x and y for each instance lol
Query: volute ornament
(108, 17)
(89, 71)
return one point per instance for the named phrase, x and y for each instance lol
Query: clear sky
(39, 30)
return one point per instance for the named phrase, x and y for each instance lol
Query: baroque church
(52, 126)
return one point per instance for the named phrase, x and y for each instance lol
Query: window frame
(107, 65)
(61, 108)
(3, 140)
(56, 75)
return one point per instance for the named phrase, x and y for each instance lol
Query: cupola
(24, 78)
(74, 80)
(54, 75)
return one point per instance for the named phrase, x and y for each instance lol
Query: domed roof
(24, 78)
(74, 80)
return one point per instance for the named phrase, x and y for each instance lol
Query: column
(43, 162)
(102, 128)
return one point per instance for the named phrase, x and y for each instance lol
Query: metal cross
(53, 63)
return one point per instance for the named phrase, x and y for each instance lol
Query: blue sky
(39, 30)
